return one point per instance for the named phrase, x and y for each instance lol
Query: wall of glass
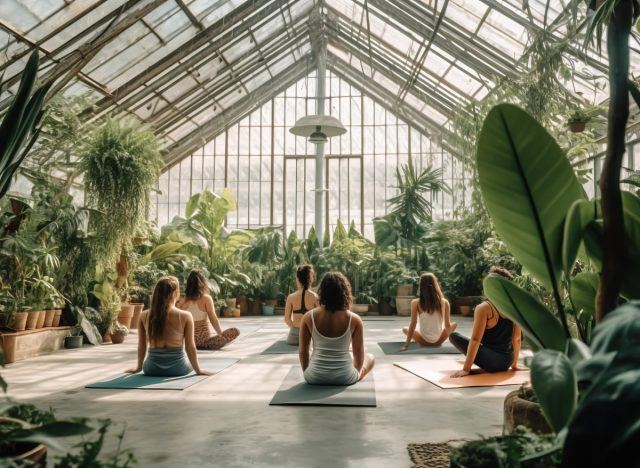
(272, 172)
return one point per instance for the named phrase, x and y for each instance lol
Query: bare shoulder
(482, 310)
(355, 319)
(183, 314)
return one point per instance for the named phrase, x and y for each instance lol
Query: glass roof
(191, 68)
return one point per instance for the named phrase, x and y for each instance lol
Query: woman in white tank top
(333, 328)
(431, 310)
(200, 304)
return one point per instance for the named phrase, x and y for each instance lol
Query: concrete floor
(226, 420)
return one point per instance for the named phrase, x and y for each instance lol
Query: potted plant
(74, 338)
(270, 293)
(118, 333)
(12, 314)
(578, 120)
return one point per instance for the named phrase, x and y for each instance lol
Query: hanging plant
(121, 165)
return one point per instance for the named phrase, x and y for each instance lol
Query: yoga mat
(393, 347)
(295, 391)
(281, 347)
(146, 382)
(438, 371)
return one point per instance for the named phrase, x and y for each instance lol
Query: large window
(271, 172)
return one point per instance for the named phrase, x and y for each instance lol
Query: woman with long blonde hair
(433, 313)
(165, 333)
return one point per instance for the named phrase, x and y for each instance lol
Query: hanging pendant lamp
(318, 128)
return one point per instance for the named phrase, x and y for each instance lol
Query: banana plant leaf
(528, 186)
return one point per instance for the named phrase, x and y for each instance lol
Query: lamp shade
(318, 127)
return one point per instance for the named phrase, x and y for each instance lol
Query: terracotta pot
(465, 310)
(520, 411)
(32, 319)
(384, 308)
(56, 318)
(227, 312)
(236, 312)
(106, 338)
(20, 321)
(126, 314)
(118, 338)
(242, 304)
(42, 315)
(255, 308)
(48, 317)
(137, 308)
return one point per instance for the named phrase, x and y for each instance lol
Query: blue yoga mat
(393, 347)
(281, 347)
(294, 391)
(146, 382)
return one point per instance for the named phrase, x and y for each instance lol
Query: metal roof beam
(195, 21)
(230, 116)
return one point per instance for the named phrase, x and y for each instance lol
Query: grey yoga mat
(146, 382)
(393, 347)
(281, 347)
(295, 391)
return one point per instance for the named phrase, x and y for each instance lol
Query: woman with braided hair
(300, 302)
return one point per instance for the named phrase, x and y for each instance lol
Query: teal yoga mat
(146, 382)
(393, 347)
(281, 347)
(294, 391)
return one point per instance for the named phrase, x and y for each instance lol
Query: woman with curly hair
(168, 331)
(199, 303)
(299, 302)
(333, 328)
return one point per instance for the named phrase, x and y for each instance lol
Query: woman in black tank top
(296, 305)
(495, 341)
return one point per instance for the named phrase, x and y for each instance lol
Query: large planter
(29, 453)
(231, 303)
(56, 318)
(42, 315)
(235, 312)
(48, 317)
(227, 312)
(384, 308)
(271, 302)
(520, 411)
(405, 290)
(32, 319)
(126, 315)
(360, 309)
(403, 305)
(268, 309)
(465, 305)
(137, 309)
(26, 344)
(20, 321)
(277, 310)
(72, 342)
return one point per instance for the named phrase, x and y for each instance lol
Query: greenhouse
(320, 233)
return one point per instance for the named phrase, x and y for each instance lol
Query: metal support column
(319, 188)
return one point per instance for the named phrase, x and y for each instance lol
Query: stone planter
(403, 305)
(29, 343)
(268, 309)
(520, 411)
(231, 303)
(405, 290)
(48, 317)
(126, 315)
(137, 308)
(360, 309)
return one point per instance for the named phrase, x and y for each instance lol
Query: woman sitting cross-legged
(168, 331)
(198, 301)
(299, 302)
(332, 327)
(432, 312)
(495, 341)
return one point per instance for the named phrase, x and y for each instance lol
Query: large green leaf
(583, 294)
(555, 384)
(537, 322)
(631, 278)
(581, 214)
(47, 434)
(528, 186)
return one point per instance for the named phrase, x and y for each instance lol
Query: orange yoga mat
(437, 371)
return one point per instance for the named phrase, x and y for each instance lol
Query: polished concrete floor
(226, 420)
